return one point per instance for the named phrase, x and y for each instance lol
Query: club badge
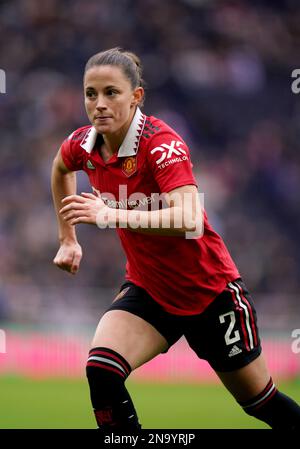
(129, 166)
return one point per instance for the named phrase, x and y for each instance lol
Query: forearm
(184, 215)
(170, 221)
(62, 185)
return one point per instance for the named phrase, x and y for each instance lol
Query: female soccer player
(180, 279)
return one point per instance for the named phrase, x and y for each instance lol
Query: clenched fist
(68, 257)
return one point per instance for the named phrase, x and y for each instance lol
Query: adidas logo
(234, 351)
(90, 165)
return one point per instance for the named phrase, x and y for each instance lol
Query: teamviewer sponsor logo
(170, 154)
(2, 82)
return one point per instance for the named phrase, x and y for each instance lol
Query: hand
(68, 257)
(84, 208)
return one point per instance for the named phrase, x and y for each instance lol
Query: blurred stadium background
(220, 73)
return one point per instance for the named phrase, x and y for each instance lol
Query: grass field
(63, 403)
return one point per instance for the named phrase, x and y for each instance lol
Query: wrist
(109, 217)
(65, 240)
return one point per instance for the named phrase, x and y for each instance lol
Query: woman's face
(110, 100)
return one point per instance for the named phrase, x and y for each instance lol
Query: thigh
(226, 333)
(129, 335)
(136, 326)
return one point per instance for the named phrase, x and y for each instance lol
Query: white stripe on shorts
(245, 307)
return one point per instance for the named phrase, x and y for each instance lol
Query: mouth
(102, 117)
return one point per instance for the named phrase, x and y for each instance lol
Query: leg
(254, 390)
(246, 382)
(122, 342)
(226, 335)
(135, 339)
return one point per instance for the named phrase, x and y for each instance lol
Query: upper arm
(71, 156)
(59, 164)
(169, 161)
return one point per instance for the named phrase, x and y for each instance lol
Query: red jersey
(183, 275)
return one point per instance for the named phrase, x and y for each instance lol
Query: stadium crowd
(218, 71)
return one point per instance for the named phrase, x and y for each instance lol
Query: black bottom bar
(150, 438)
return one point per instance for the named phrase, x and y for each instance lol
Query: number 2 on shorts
(230, 339)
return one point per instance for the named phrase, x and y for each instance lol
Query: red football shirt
(183, 275)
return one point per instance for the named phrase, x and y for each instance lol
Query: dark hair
(129, 62)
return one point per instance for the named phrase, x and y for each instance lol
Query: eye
(90, 94)
(111, 92)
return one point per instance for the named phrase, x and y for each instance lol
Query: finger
(69, 198)
(93, 197)
(89, 195)
(73, 205)
(62, 266)
(75, 263)
(73, 214)
(65, 268)
(64, 260)
(78, 220)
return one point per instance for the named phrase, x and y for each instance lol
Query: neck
(114, 141)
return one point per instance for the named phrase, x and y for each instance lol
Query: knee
(106, 366)
(107, 371)
(263, 398)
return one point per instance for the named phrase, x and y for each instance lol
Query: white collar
(129, 145)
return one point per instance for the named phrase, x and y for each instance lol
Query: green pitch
(63, 403)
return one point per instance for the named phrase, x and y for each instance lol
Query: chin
(103, 129)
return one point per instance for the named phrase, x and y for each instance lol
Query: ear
(137, 96)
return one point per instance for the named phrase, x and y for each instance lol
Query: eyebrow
(106, 87)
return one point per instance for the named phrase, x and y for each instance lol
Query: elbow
(193, 227)
(198, 232)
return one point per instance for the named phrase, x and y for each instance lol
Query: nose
(100, 106)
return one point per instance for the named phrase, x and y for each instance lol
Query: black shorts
(225, 334)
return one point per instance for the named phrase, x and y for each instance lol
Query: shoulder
(72, 149)
(79, 134)
(74, 143)
(156, 129)
(167, 155)
(161, 140)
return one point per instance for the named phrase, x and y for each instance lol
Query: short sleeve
(170, 162)
(72, 154)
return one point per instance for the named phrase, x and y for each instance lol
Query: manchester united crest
(129, 166)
